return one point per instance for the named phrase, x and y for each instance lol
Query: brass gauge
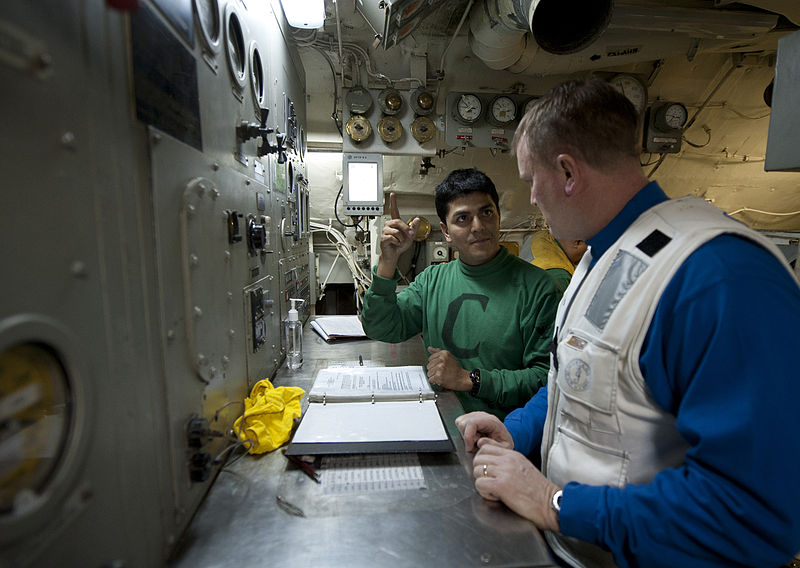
(422, 101)
(502, 111)
(358, 100)
(423, 129)
(468, 108)
(358, 128)
(35, 421)
(390, 101)
(633, 89)
(390, 129)
(424, 229)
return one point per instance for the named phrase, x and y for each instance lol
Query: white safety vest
(602, 426)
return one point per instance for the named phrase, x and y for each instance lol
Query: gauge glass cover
(504, 110)
(633, 89)
(675, 115)
(469, 108)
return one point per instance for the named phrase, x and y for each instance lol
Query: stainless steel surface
(445, 524)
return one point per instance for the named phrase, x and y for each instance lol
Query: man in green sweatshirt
(486, 318)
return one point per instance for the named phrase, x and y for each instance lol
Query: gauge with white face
(633, 89)
(502, 110)
(468, 108)
(675, 115)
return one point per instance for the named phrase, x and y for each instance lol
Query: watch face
(503, 110)
(469, 108)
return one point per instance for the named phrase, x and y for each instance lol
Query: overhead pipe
(556, 35)
(499, 28)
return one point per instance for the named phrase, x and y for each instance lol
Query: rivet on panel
(194, 260)
(198, 313)
(68, 140)
(231, 333)
(78, 269)
(227, 255)
(214, 193)
(215, 166)
(201, 359)
(170, 334)
(190, 209)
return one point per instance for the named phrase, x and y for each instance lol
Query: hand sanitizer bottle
(294, 337)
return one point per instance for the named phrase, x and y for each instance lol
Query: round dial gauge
(423, 129)
(36, 421)
(422, 101)
(391, 101)
(633, 89)
(673, 115)
(358, 128)
(502, 110)
(468, 108)
(210, 25)
(529, 105)
(390, 129)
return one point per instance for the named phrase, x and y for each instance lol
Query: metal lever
(247, 130)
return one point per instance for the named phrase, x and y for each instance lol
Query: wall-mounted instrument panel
(390, 121)
(158, 148)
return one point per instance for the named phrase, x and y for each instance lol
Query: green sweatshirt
(497, 317)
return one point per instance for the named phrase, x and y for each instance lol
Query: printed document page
(362, 383)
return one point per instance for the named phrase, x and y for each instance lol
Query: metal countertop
(445, 524)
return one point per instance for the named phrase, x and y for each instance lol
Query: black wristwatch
(475, 377)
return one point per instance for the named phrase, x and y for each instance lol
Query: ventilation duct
(560, 36)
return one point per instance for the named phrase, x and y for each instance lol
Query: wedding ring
(485, 470)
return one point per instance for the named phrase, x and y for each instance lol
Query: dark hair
(588, 117)
(463, 182)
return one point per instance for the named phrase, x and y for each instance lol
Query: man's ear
(446, 235)
(570, 168)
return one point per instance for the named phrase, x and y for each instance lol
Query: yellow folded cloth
(547, 253)
(269, 415)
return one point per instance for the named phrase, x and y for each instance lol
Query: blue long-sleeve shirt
(723, 355)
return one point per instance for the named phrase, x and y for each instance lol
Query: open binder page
(331, 328)
(364, 427)
(371, 383)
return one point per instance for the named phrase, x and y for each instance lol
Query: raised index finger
(393, 210)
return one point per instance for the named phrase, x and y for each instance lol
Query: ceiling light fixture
(308, 14)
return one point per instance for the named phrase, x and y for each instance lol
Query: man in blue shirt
(668, 433)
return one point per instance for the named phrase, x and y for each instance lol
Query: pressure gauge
(672, 116)
(358, 100)
(422, 101)
(210, 25)
(36, 418)
(502, 110)
(423, 129)
(358, 128)
(468, 108)
(390, 101)
(390, 129)
(529, 105)
(632, 88)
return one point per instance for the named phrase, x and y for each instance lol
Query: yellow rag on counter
(269, 415)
